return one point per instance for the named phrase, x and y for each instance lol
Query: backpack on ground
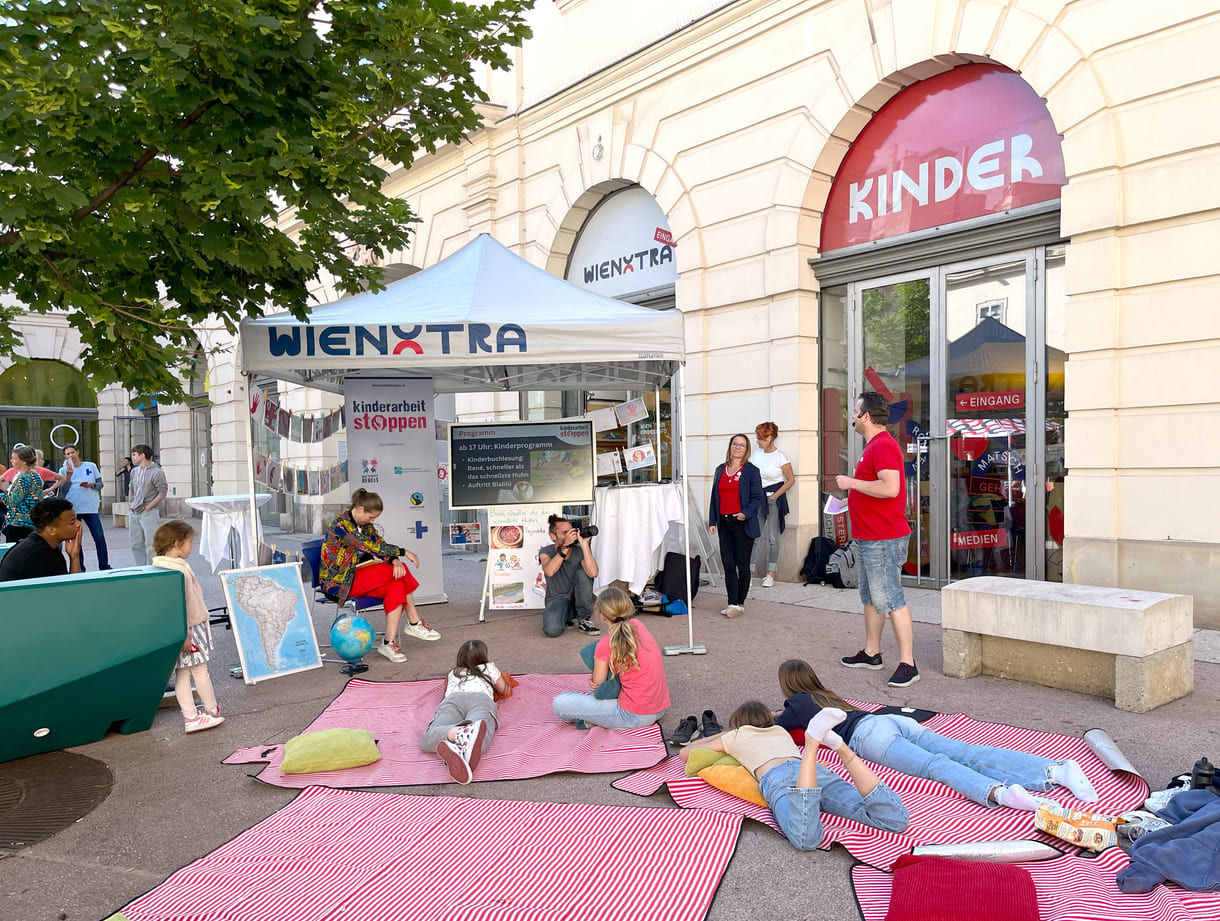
(671, 579)
(841, 568)
(820, 550)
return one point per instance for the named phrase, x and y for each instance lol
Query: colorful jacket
(345, 541)
(22, 496)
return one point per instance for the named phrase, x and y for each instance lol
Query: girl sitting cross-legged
(798, 789)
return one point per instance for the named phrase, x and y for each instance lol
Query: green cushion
(329, 750)
(699, 758)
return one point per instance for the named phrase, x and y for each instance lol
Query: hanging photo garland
(302, 428)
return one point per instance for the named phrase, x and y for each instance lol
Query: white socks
(1015, 796)
(1071, 776)
(821, 727)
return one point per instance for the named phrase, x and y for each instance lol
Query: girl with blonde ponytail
(628, 652)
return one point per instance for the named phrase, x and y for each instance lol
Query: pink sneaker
(202, 720)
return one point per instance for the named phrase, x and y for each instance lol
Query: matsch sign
(972, 141)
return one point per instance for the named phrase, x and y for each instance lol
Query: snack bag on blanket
(1084, 829)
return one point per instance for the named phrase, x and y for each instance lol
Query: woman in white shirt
(777, 479)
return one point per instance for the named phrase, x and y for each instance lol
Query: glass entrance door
(894, 321)
(966, 354)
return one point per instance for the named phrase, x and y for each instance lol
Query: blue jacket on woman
(752, 498)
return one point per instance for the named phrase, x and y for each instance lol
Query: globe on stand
(351, 636)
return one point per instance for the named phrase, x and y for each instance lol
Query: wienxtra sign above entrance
(973, 141)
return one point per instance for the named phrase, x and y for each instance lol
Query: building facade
(1003, 215)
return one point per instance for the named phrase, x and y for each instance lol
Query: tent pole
(680, 404)
(250, 470)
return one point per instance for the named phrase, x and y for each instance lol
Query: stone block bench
(1133, 646)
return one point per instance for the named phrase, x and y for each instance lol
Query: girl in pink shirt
(629, 652)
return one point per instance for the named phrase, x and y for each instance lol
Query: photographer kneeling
(570, 569)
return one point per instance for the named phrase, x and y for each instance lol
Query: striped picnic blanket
(938, 814)
(530, 742)
(368, 856)
(1070, 888)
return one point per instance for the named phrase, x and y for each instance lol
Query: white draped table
(632, 522)
(221, 514)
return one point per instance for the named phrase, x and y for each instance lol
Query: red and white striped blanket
(938, 814)
(530, 742)
(1070, 888)
(368, 856)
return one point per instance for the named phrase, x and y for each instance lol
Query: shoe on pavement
(768, 581)
(470, 742)
(685, 732)
(584, 625)
(420, 630)
(863, 660)
(202, 720)
(392, 652)
(735, 610)
(904, 676)
(459, 770)
(711, 725)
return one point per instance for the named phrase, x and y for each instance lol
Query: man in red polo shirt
(876, 502)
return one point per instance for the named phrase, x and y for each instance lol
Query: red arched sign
(972, 141)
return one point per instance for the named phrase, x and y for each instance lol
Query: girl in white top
(466, 717)
(777, 479)
(172, 545)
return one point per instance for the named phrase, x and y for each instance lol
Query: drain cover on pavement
(44, 794)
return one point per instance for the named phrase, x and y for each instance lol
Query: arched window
(46, 403)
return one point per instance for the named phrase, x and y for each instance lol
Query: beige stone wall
(736, 125)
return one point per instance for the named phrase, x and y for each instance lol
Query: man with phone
(80, 482)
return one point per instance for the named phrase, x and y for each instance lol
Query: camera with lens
(586, 531)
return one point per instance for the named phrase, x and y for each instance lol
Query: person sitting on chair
(38, 555)
(358, 562)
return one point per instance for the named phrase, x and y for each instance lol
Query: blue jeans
(798, 810)
(900, 743)
(572, 705)
(879, 567)
(577, 604)
(93, 521)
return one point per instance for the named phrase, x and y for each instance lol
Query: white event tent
(483, 319)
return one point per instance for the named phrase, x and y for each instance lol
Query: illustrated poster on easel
(514, 576)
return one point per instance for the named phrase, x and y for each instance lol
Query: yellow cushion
(734, 780)
(329, 750)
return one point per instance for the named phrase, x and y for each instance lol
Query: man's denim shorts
(879, 565)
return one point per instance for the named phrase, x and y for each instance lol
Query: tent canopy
(483, 319)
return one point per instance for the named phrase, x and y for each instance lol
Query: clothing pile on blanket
(1186, 852)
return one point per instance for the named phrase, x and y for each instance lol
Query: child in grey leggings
(466, 718)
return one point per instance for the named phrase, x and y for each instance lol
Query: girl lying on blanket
(798, 789)
(987, 775)
(466, 717)
(630, 652)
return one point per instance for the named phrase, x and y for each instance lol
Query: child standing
(798, 789)
(630, 652)
(172, 545)
(466, 717)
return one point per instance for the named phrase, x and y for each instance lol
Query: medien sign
(625, 248)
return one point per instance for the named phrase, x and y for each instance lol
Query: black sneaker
(711, 726)
(587, 626)
(863, 660)
(904, 675)
(685, 731)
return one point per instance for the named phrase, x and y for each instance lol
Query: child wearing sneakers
(629, 652)
(798, 789)
(988, 775)
(172, 545)
(466, 717)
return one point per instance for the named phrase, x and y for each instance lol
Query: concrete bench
(1133, 646)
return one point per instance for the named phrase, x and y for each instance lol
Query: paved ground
(173, 801)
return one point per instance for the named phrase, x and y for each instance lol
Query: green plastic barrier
(85, 654)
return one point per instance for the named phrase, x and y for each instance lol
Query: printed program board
(520, 463)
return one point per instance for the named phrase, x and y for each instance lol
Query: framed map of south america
(270, 614)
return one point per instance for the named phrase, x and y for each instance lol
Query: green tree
(151, 150)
